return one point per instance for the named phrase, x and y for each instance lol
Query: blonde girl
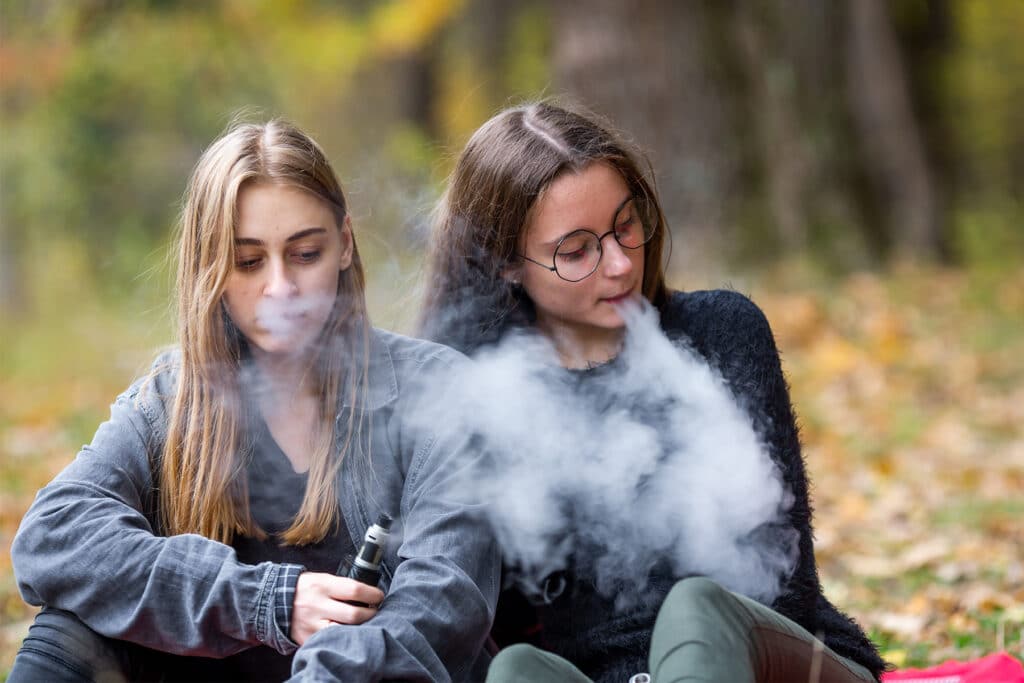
(200, 535)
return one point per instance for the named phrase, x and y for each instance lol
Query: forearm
(183, 594)
(437, 611)
(431, 627)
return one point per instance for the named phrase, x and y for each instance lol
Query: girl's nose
(615, 260)
(281, 283)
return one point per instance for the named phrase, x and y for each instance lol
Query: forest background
(856, 167)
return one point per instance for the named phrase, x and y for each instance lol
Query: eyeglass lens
(579, 252)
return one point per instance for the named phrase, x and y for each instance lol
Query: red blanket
(995, 668)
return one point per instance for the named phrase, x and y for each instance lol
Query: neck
(284, 377)
(577, 349)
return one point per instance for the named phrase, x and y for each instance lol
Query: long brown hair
(502, 172)
(203, 486)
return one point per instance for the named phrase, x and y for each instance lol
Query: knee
(60, 644)
(522, 663)
(700, 605)
(697, 593)
(702, 629)
(57, 627)
(515, 658)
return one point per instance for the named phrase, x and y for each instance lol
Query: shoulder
(712, 310)
(421, 379)
(403, 366)
(725, 327)
(152, 394)
(713, 318)
(410, 353)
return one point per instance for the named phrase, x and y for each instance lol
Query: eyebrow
(619, 208)
(252, 241)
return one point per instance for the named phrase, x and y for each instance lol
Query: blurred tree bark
(790, 163)
(889, 135)
(747, 110)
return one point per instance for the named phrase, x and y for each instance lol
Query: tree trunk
(786, 157)
(889, 138)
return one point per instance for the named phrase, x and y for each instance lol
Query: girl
(200, 533)
(549, 223)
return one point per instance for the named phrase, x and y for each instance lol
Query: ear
(347, 242)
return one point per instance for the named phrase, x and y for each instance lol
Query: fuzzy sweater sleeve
(730, 331)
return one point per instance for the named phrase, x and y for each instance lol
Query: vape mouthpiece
(366, 566)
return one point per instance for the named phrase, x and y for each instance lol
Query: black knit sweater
(732, 333)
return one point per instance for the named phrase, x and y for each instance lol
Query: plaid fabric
(284, 596)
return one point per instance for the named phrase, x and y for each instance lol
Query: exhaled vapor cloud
(647, 460)
(283, 318)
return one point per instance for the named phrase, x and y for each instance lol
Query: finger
(358, 615)
(342, 588)
(345, 613)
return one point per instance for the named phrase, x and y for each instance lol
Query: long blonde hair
(203, 486)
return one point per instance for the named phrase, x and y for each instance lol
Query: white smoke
(653, 462)
(284, 318)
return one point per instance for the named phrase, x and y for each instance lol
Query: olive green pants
(706, 633)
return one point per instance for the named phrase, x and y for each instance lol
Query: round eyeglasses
(578, 254)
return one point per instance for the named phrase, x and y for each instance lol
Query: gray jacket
(90, 543)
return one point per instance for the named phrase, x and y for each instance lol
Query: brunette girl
(200, 534)
(550, 224)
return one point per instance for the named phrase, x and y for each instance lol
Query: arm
(733, 333)
(439, 606)
(86, 546)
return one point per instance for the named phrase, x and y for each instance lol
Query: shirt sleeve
(284, 596)
(440, 603)
(86, 545)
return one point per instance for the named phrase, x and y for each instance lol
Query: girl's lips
(619, 298)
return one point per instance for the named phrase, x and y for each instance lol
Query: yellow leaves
(401, 26)
(907, 626)
(985, 598)
(309, 48)
(924, 553)
(910, 392)
(832, 355)
(852, 506)
(917, 556)
(797, 319)
(896, 656)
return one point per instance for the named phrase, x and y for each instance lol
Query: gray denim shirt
(90, 542)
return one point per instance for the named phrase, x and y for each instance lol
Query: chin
(283, 346)
(612, 320)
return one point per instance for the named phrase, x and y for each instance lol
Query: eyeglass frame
(600, 249)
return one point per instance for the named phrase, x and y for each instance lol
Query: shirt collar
(383, 380)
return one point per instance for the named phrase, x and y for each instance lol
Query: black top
(275, 496)
(276, 491)
(733, 335)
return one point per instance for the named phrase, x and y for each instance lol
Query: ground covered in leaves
(910, 390)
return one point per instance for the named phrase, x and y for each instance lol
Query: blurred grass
(909, 385)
